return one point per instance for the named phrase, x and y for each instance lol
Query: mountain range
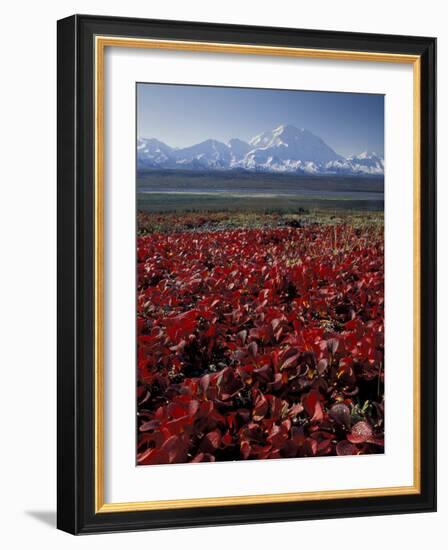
(285, 149)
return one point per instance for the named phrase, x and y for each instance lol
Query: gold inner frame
(101, 42)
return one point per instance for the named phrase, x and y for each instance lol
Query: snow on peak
(365, 155)
(290, 143)
(286, 148)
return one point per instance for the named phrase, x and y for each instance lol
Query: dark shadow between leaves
(44, 516)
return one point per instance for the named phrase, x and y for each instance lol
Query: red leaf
(204, 457)
(253, 348)
(361, 432)
(340, 413)
(345, 448)
(261, 407)
(214, 438)
(229, 383)
(245, 449)
(322, 366)
(290, 361)
(313, 407)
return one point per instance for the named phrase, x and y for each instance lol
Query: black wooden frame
(76, 275)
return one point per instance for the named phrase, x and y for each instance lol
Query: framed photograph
(246, 271)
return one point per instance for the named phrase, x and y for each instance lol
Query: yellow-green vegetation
(149, 222)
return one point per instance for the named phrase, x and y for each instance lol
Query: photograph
(260, 274)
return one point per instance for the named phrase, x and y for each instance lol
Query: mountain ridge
(285, 149)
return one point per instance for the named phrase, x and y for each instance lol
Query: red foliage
(260, 343)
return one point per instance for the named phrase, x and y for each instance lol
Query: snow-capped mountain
(370, 163)
(238, 149)
(285, 149)
(364, 163)
(289, 143)
(152, 152)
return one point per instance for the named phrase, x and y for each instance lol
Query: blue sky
(183, 115)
